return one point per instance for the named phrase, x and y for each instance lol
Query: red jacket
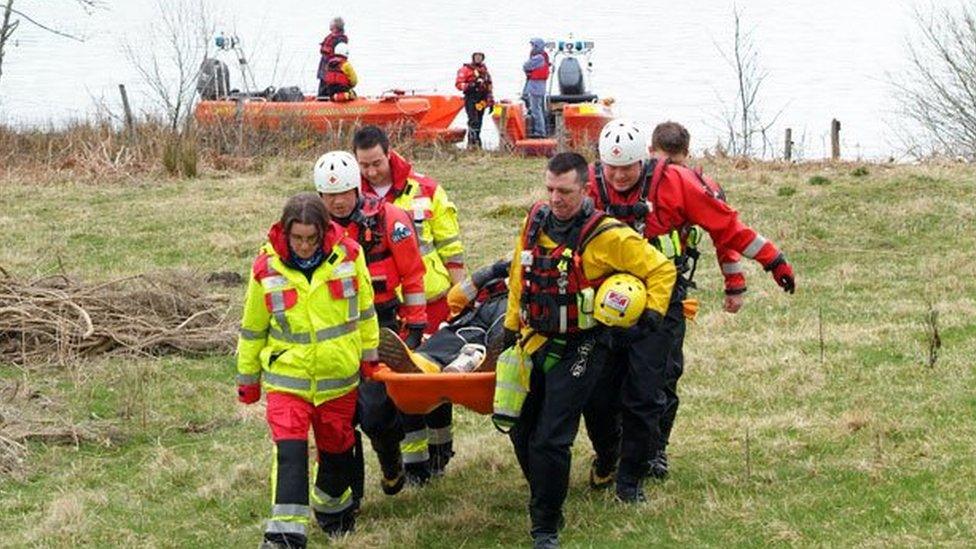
(677, 198)
(327, 47)
(387, 237)
(468, 74)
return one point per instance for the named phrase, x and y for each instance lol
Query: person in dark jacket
(336, 36)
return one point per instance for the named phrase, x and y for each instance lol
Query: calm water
(659, 60)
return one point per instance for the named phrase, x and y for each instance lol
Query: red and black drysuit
(667, 197)
(474, 81)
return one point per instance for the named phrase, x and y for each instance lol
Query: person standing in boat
(474, 80)
(340, 77)
(336, 36)
(536, 74)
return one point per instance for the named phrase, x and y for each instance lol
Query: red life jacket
(334, 75)
(327, 47)
(553, 280)
(540, 73)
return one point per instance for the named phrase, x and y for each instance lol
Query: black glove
(510, 338)
(648, 323)
(414, 337)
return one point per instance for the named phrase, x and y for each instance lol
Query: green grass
(773, 445)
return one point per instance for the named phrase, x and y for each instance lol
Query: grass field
(811, 419)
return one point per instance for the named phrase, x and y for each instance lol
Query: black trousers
(637, 395)
(475, 117)
(549, 422)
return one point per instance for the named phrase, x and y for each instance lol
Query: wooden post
(788, 147)
(129, 120)
(835, 139)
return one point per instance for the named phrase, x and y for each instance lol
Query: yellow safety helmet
(620, 300)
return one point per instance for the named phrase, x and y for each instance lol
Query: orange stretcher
(421, 393)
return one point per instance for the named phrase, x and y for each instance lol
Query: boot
(398, 357)
(657, 466)
(391, 463)
(545, 541)
(418, 474)
(338, 524)
(602, 475)
(630, 490)
(440, 455)
(283, 541)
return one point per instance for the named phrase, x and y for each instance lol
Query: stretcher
(421, 393)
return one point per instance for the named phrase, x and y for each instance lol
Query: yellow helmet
(620, 300)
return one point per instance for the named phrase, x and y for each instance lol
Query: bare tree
(169, 54)
(744, 125)
(13, 16)
(938, 91)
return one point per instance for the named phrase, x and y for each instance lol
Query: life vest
(557, 297)
(334, 76)
(540, 73)
(677, 243)
(327, 47)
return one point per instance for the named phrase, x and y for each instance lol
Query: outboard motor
(214, 80)
(569, 77)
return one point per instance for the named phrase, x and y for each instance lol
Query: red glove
(368, 368)
(249, 394)
(782, 273)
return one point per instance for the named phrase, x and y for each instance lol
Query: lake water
(659, 59)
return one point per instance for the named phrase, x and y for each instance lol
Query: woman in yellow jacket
(308, 328)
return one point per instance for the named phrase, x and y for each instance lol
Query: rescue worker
(336, 36)
(471, 340)
(386, 236)
(661, 201)
(390, 178)
(307, 329)
(536, 75)
(565, 249)
(340, 78)
(474, 81)
(671, 141)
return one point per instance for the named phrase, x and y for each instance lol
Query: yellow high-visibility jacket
(308, 338)
(435, 219)
(614, 250)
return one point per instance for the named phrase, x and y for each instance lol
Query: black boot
(391, 463)
(657, 466)
(630, 490)
(602, 473)
(337, 524)
(440, 455)
(545, 541)
(283, 541)
(418, 474)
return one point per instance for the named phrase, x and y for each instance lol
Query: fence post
(788, 148)
(834, 139)
(129, 120)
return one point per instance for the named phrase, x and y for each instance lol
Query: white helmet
(341, 49)
(622, 143)
(336, 172)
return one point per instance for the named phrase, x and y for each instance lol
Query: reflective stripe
(426, 248)
(329, 384)
(348, 288)
(324, 503)
(367, 313)
(289, 382)
(469, 289)
(289, 510)
(753, 248)
(731, 268)
(509, 386)
(415, 436)
(353, 308)
(336, 331)
(440, 435)
(247, 379)
(252, 334)
(418, 299)
(415, 457)
(277, 301)
(507, 412)
(370, 355)
(446, 241)
(289, 336)
(458, 258)
(284, 527)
